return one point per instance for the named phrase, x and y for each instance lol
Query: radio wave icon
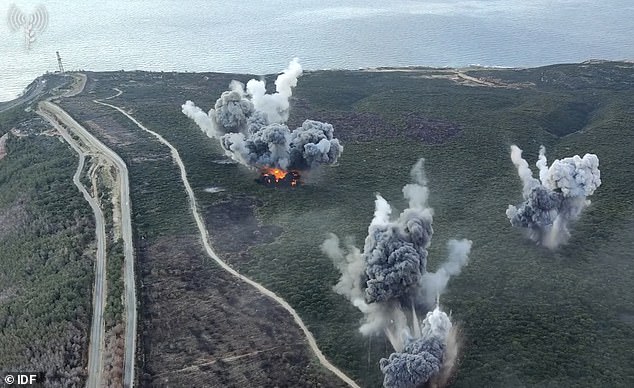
(32, 24)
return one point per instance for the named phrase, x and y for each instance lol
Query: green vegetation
(113, 311)
(530, 317)
(13, 117)
(46, 259)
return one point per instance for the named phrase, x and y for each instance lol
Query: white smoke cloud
(523, 170)
(556, 199)
(435, 283)
(575, 177)
(349, 263)
(276, 106)
(202, 119)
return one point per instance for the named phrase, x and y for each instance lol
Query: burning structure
(556, 199)
(250, 126)
(388, 282)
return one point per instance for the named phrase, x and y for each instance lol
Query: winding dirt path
(3, 142)
(205, 239)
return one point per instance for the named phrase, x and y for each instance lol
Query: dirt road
(95, 349)
(205, 239)
(126, 228)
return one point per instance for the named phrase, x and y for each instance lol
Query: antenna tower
(59, 63)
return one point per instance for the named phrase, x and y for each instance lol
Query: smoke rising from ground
(429, 354)
(250, 125)
(435, 283)
(389, 277)
(556, 199)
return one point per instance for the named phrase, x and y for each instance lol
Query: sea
(262, 36)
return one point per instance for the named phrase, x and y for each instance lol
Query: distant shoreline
(26, 97)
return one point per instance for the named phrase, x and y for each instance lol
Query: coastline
(14, 87)
(30, 92)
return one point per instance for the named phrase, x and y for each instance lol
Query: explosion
(250, 126)
(557, 198)
(428, 354)
(275, 177)
(389, 277)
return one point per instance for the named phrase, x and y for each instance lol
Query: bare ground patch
(457, 76)
(104, 123)
(366, 126)
(7, 294)
(202, 327)
(13, 218)
(235, 227)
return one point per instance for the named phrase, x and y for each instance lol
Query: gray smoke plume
(390, 272)
(424, 355)
(556, 199)
(250, 126)
(395, 254)
(389, 276)
(435, 283)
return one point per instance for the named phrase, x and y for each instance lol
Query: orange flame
(277, 175)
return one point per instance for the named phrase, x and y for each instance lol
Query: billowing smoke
(250, 125)
(557, 198)
(389, 277)
(427, 354)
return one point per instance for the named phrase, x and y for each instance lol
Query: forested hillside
(46, 255)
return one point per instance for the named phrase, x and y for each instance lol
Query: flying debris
(250, 126)
(389, 277)
(556, 199)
